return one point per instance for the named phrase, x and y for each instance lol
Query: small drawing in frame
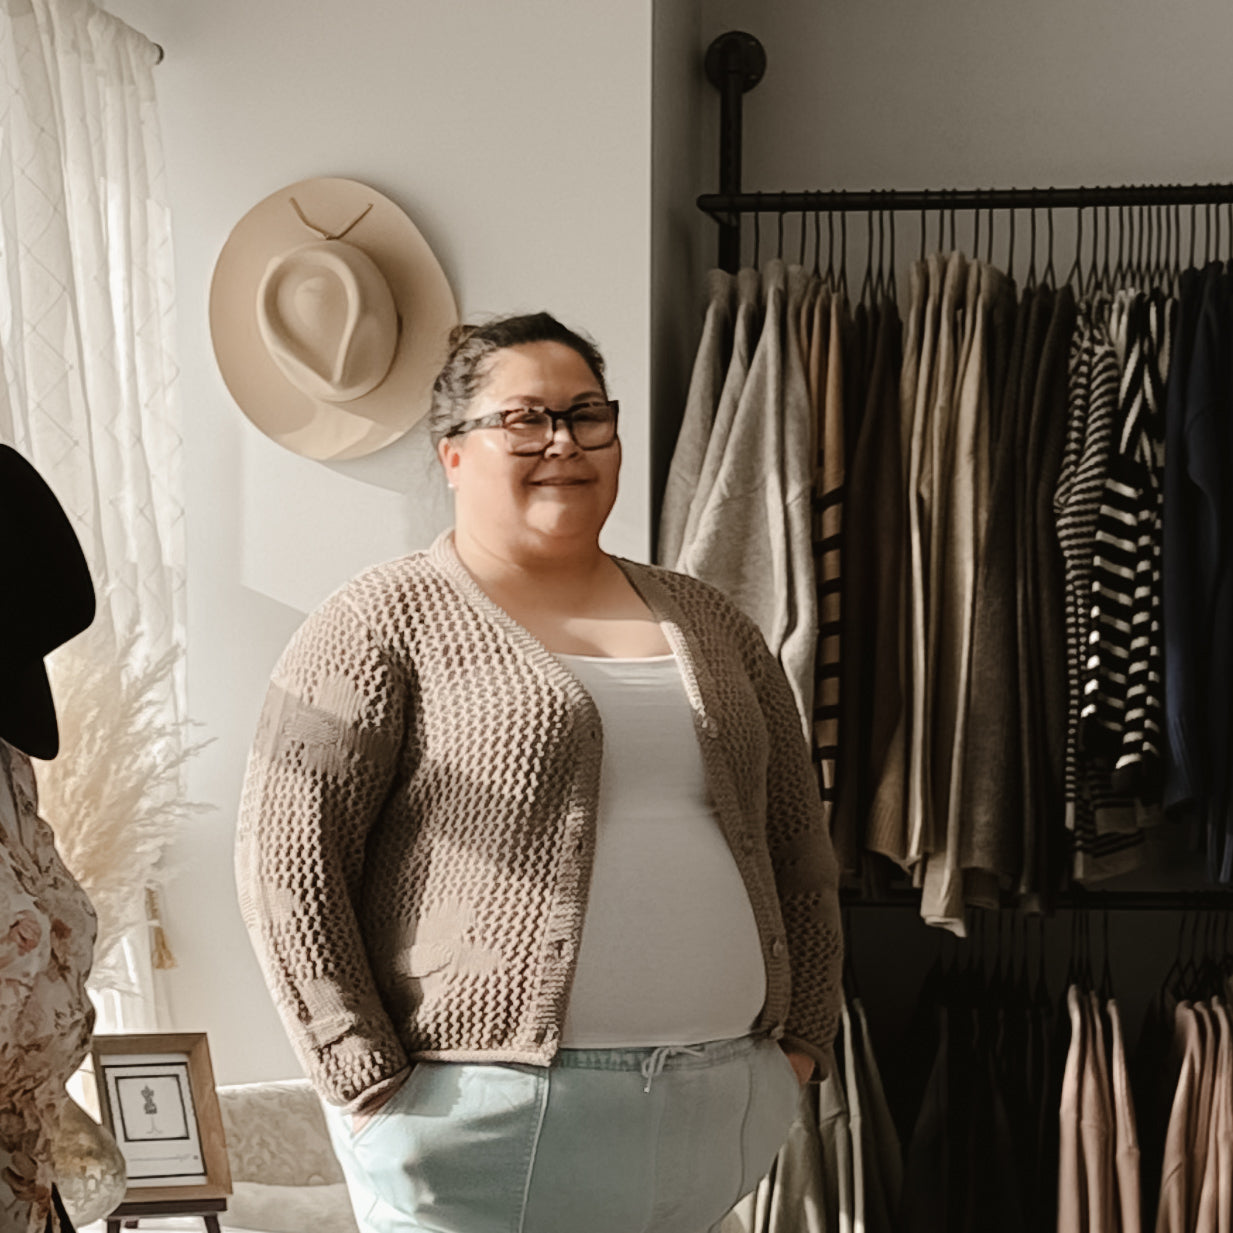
(156, 1095)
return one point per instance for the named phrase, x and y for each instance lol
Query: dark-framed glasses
(530, 430)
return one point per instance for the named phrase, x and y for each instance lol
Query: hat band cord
(321, 231)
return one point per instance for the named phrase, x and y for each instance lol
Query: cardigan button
(777, 948)
(710, 726)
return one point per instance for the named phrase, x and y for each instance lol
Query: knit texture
(418, 823)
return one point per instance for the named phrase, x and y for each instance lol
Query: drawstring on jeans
(653, 1063)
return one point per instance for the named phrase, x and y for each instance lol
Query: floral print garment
(47, 929)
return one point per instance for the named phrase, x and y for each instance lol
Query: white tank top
(670, 953)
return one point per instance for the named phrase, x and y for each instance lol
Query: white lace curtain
(87, 338)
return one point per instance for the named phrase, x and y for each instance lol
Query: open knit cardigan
(418, 824)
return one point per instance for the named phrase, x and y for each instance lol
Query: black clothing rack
(736, 62)
(1079, 900)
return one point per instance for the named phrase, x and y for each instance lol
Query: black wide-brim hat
(48, 598)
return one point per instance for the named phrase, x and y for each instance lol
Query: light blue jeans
(602, 1141)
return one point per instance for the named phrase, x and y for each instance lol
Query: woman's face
(551, 501)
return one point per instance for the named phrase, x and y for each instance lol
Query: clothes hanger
(830, 250)
(850, 988)
(867, 281)
(757, 236)
(1173, 254)
(879, 282)
(976, 232)
(952, 224)
(1119, 271)
(1091, 284)
(1140, 270)
(989, 241)
(892, 282)
(1106, 275)
(1010, 247)
(1106, 972)
(779, 236)
(843, 253)
(1030, 281)
(923, 228)
(1074, 277)
(1049, 278)
(1041, 997)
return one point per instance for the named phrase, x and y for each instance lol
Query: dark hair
(472, 346)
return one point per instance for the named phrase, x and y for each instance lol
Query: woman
(531, 850)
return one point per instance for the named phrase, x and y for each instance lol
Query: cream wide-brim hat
(329, 331)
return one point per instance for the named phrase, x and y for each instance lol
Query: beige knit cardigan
(417, 826)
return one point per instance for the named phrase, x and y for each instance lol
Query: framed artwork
(156, 1095)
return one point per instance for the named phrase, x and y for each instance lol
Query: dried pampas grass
(114, 796)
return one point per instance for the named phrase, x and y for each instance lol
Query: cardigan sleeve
(321, 764)
(806, 872)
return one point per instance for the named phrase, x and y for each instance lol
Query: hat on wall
(48, 600)
(330, 318)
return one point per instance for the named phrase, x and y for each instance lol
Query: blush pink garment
(1071, 1185)
(1214, 1212)
(1200, 1129)
(1175, 1211)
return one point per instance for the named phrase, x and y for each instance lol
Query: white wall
(517, 136)
(521, 139)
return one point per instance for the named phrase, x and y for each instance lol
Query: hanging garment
(1027, 415)
(1122, 717)
(935, 484)
(873, 690)
(1046, 863)
(705, 387)
(1186, 774)
(919, 494)
(1126, 1138)
(857, 1130)
(887, 819)
(925, 1206)
(836, 1135)
(746, 330)
(992, 775)
(797, 1202)
(1154, 1074)
(752, 537)
(1200, 1131)
(827, 548)
(1217, 1167)
(1178, 1197)
(883, 1157)
(1209, 463)
(803, 642)
(1071, 1175)
(1107, 839)
(949, 888)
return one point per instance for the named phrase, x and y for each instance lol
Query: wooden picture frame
(156, 1095)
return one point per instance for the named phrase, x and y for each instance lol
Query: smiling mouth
(559, 483)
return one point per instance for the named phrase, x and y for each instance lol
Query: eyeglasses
(530, 430)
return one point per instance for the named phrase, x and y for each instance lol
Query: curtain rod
(723, 206)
